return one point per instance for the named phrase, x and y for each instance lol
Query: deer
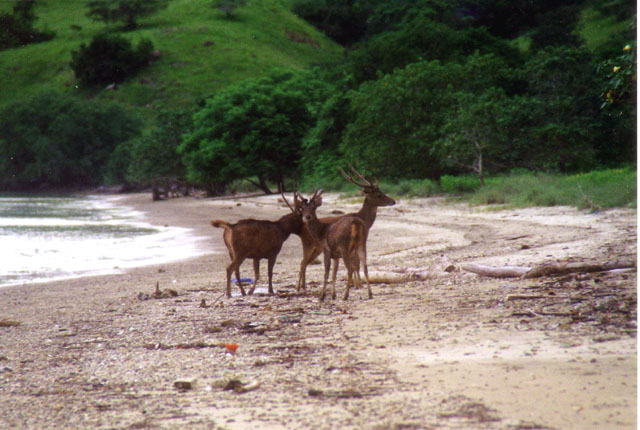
(344, 238)
(373, 198)
(258, 239)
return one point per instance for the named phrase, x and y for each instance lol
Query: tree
(423, 38)
(102, 10)
(58, 141)
(153, 155)
(343, 21)
(228, 7)
(16, 29)
(561, 106)
(126, 11)
(475, 132)
(398, 118)
(252, 129)
(618, 107)
(109, 59)
(321, 145)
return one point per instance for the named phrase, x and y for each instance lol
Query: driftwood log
(496, 272)
(544, 269)
(563, 269)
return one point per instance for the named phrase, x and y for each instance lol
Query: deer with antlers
(345, 238)
(373, 198)
(258, 239)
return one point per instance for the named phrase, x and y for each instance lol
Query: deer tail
(356, 238)
(221, 224)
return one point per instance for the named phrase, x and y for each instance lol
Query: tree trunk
(261, 184)
(479, 166)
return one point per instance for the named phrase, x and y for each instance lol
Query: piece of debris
(496, 272)
(462, 407)
(203, 304)
(563, 269)
(9, 323)
(237, 386)
(164, 294)
(450, 268)
(349, 393)
(185, 384)
(255, 327)
(158, 293)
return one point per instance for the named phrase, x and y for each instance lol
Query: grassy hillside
(201, 51)
(597, 30)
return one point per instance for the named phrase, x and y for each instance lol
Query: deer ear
(318, 201)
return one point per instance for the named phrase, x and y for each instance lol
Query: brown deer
(344, 238)
(257, 239)
(373, 198)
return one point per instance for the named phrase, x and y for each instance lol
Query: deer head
(309, 206)
(371, 192)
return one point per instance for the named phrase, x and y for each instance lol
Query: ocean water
(49, 238)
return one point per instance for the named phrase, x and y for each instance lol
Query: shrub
(16, 29)
(459, 184)
(109, 59)
(593, 190)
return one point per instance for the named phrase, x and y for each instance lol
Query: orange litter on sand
(231, 347)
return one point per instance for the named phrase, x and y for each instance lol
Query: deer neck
(316, 228)
(290, 223)
(367, 213)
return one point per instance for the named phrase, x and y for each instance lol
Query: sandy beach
(436, 348)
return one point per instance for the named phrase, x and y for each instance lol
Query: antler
(318, 193)
(365, 183)
(295, 197)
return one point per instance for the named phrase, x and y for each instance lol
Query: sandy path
(452, 351)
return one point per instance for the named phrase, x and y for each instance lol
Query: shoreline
(63, 258)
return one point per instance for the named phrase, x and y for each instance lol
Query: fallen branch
(496, 272)
(544, 270)
(526, 297)
(563, 269)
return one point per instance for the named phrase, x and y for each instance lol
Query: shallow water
(49, 237)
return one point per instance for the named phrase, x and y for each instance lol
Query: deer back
(345, 236)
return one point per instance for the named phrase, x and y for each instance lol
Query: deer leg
(308, 257)
(238, 277)
(336, 261)
(256, 274)
(363, 256)
(231, 256)
(233, 267)
(271, 263)
(327, 267)
(348, 262)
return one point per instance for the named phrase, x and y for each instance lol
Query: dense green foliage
(153, 155)
(126, 11)
(109, 59)
(16, 29)
(426, 93)
(56, 141)
(252, 129)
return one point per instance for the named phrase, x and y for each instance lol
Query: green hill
(201, 51)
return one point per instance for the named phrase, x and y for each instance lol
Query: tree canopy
(252, 129)
(58, 141)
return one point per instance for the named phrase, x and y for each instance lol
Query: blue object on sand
(245, 280)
